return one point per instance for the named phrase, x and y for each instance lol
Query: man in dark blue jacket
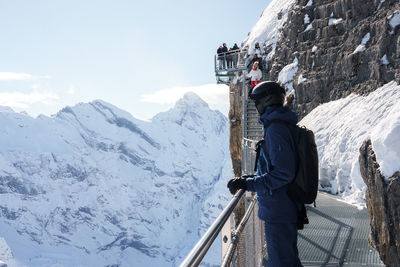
(276, 168)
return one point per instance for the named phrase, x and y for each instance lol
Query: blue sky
(129, 53)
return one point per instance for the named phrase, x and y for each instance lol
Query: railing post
(243, 119)
(215, 64)
(226, 234)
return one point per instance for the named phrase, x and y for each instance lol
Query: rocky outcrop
(324, 37)
(235, 118)
(383, 202)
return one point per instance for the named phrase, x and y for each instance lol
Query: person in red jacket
(255, 74)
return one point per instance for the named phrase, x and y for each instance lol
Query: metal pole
(215, 64)
(200, 249)
(244, 110)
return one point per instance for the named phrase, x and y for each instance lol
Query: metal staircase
(252, 133)
(252, 128)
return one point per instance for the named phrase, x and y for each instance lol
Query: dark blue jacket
(271, 184)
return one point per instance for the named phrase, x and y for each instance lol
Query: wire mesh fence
(251, 248)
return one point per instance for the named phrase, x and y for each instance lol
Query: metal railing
(248, 155)
(236, 234)
(230, 62)
(198, 252)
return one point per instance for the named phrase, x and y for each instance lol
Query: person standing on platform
(224, 51)
(235, 50)
(276, 168)
(220, 57)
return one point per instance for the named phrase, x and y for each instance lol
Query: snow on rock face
(394, 20)
(384, 60)
(287, 74)
(362, 46)
(266, 30)
(301, 79)
(380, 5)
(341, 126)
(100, 187)
(309, 27)
(333, 20)
(306, 19)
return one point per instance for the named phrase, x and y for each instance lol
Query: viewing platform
(227, 64)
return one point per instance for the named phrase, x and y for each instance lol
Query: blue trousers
(282, 245)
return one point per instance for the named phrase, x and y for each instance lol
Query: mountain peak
(188, 105)
(192, 112)
(191, 99)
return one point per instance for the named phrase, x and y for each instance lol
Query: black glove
(235, 184)
(248, 176)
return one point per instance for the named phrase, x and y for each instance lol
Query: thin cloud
(23, 101)
(216, 95)
(71, 90)
(210, 93)
(13, 76)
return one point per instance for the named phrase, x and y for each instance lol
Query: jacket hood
(279, 113)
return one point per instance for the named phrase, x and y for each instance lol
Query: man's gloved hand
(236, 183)
(248, 176)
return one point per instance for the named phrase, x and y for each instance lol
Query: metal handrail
(238, 61)
(235, 237)
(249, 140)
(198, 252)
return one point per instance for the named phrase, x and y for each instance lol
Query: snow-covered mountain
(93, 186)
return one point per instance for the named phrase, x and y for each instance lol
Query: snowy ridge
(266, 31)
(341, 126)
(93, 186)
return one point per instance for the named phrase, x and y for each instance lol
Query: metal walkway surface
(337, 235)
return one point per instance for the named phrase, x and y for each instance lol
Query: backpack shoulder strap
(258, 148)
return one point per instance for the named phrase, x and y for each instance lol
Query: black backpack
(304, 187)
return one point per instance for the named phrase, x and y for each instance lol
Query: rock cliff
(342, 46)
(383, 198)
(235, 118)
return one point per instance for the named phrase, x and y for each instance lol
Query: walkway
(336, 236)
